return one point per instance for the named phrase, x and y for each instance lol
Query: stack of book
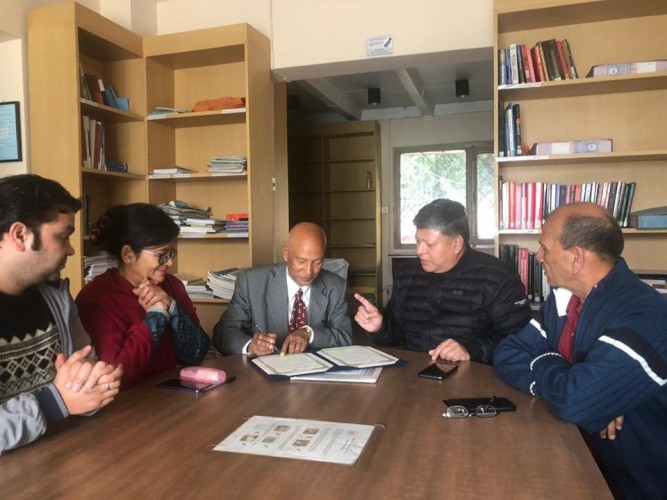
(236, 225)
(530, 271)
(548, 60)
(195, 286)
(525, 205)
(227, 165)
(159, 112)
(115, 166)
(96, 264)
(222, 282)
(192, 222)
(169, 171)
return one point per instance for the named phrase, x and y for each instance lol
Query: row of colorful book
(94, 90)
(530, 271)
(525, 205)
(548, 60)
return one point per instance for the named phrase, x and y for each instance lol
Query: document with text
(316, 440)
(291, 364)
(357, 356)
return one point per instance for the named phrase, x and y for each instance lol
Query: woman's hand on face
(152, 295)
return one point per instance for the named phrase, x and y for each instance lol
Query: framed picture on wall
(10, 132)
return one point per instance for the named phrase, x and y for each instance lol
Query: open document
(291, 364)
(301, 439)
(357, 356)
(357, 376)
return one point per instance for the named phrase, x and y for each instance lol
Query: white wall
(12, 89)
(317, 38)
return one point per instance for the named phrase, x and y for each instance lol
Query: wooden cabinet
(334, 181)
(628, 109)
(175, 70)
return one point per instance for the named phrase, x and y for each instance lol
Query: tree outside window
(463, 173)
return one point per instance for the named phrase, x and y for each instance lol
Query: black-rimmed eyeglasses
(482, 411)
(164, 257)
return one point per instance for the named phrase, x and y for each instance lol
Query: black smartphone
(500, 404)
(186, 386)
(438, 370)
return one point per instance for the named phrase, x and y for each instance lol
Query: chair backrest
(338, 266)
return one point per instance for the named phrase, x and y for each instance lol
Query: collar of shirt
(292, 288)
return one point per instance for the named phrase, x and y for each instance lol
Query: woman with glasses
(138, 314)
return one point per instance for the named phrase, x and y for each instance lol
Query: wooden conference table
(157, 443)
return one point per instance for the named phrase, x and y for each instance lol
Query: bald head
(304, 252)
(588, 226)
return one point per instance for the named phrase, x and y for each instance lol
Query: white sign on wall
(380, 46)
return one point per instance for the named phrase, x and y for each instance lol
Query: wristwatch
(310, 332)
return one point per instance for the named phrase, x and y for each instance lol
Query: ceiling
(409, 87)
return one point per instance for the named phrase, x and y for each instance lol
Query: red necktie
(566, 341)
(299, 314)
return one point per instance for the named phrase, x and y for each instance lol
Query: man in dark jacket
(452, 301)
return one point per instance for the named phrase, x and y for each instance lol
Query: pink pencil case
(203, 375)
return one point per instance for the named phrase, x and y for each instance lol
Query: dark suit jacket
(260, 298)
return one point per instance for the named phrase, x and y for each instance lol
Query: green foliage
(426, 176)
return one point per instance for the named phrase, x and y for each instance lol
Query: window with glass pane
(464, 174)
(486, 225)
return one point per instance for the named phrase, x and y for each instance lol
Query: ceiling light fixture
(462, 89)
(374, 96)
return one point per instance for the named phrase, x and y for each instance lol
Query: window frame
(472, 149)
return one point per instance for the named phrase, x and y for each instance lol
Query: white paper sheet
(357, 356)
(300, 439)
(292, 364)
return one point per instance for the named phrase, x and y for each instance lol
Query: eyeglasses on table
(483, 411)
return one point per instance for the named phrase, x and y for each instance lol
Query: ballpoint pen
(275, 349)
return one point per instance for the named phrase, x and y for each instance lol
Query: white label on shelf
(181, 175)
(158, 176)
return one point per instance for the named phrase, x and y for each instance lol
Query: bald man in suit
(257, 321)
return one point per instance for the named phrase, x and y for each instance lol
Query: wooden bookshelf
(628, 109)
(175, 70)
(62, 39)
(329, 170)
(182, 69)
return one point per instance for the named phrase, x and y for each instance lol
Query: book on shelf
(172, 170)
(222, 282)
(115, 166)
(92, 148)
(547, 60)
(631, 68)
(572, 147)
(654, 278)
(511, 125)
(529, 269)
(650, 218)
(159, 112)
(525, 205)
